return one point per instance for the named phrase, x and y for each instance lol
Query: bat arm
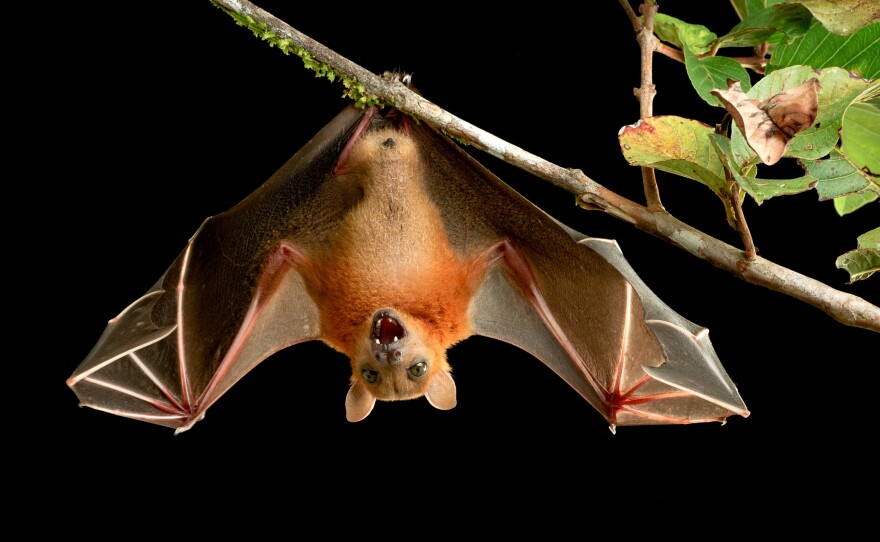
(211, 393)
(285, 258)
(184, 379)
(520, 272)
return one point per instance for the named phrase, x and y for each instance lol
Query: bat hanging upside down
(386, 241)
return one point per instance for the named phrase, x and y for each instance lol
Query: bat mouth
(387, 330)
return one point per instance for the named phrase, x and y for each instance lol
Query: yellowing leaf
(675, 145)
(680, 146)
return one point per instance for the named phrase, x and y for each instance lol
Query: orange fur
(391, 252)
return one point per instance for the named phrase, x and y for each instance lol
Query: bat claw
(189, 425)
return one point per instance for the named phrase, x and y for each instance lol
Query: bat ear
(441, 391)
(359, 402)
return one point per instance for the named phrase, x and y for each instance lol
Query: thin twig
(671, 52)
(756, 63)
(735, 198)
(741, 226)
(633, 18)
(845, 308)
(646, 93)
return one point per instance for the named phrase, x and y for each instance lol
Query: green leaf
(842, 16)
(741, 7)
(744, 8)
(845, 205)
(837, 176)
(837, 90)
(760, 189)
(713, 72)
(743, 153)
(860, 263)
(778, 23)
(859, 52)
(870, 239)
(696, 37)
(860, 134)
(864, 261)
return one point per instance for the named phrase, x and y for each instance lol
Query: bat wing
(575, 303)
(226, 303)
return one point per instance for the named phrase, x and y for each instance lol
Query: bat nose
(392, 356)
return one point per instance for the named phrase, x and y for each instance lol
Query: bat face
(398, 361)
(399, 358)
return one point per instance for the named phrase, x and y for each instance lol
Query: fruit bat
(382, 238)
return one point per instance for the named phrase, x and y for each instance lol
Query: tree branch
(845, 308)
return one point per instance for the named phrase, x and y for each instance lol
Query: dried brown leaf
(769, 125)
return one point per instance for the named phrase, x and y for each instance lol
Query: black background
(162, 118)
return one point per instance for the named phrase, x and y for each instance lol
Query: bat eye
(418, 369)
(370, 375)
